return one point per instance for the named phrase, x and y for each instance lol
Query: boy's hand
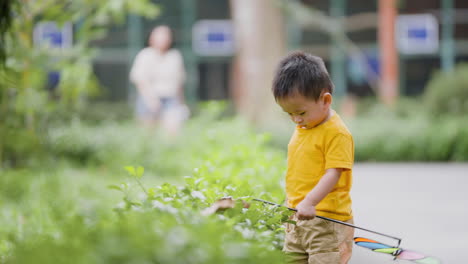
(305, 210)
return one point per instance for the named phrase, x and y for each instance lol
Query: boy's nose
(297, 119)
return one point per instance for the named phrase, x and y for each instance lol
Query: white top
(164, 72)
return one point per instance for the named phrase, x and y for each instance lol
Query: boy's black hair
(303, 73)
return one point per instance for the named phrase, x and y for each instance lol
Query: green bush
(111, 144)
(447, 92)
(408, 134)
(59, 216)
(460, 148)
(150, 237)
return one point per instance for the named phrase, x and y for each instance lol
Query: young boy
(320, 160)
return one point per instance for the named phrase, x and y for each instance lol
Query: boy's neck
(327, 117)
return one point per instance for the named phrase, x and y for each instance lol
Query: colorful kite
(397, 252)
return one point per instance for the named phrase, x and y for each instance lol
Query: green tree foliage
(26, 106)
(6, 16)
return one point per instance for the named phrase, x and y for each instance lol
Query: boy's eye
(301, 114)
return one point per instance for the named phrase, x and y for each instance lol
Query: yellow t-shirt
(310, 153)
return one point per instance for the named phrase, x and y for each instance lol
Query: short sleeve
(340, 152)
(180, 66)
(139, 67)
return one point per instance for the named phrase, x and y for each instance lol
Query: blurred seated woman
(158, 74)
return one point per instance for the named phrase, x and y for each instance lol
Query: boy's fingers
(304, 217)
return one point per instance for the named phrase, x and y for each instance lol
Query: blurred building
(209, 75)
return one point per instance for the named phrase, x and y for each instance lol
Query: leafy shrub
(447, 92)
(407, 134)
(113, 144)
(95, 113)
(64, 217)
(149, 237)
(460, 148)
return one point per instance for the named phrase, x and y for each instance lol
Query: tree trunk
(388, 91)
(260, 42)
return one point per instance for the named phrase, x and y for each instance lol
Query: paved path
(426, 204)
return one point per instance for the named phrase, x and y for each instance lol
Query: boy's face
(305, 112)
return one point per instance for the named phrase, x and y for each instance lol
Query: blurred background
(68, 115)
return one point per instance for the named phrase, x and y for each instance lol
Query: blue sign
(213, 38)
(49, 34)
(417, 34)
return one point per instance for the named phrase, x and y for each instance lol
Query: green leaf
(152, 192)
(139, 172)
(115, 187)
(131, 170)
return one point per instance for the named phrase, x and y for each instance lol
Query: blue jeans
(166, 103)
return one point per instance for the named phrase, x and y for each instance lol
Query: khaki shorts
(318, 241)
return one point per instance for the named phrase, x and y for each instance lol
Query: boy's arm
(306, 208)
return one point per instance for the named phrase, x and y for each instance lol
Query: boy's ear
(327, 98)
